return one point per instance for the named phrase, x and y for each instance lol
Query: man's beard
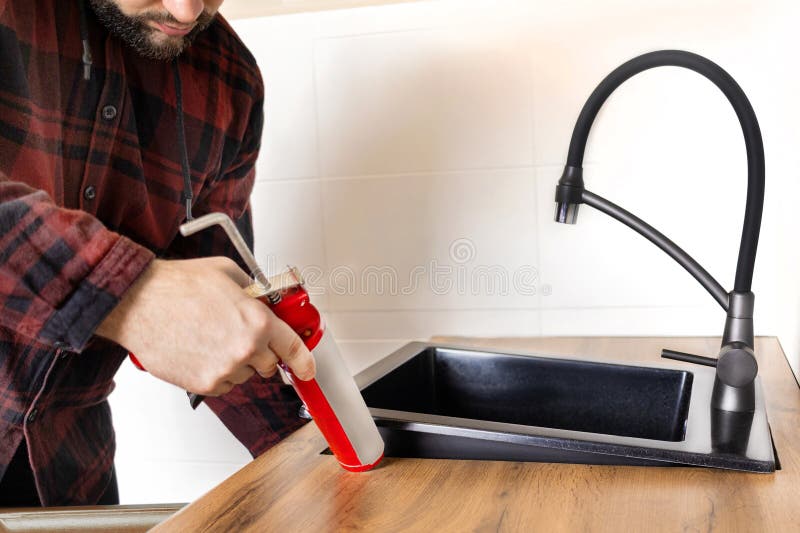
(136, 33)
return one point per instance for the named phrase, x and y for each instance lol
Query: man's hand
(191, 324)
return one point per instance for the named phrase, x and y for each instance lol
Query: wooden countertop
(294, 488)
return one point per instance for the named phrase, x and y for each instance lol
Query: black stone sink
(436, 401)
(629, 401)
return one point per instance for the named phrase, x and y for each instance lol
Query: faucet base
(733, 399)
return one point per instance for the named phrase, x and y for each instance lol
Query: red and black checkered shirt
(90, 192)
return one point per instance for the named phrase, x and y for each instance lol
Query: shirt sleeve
(61, 270)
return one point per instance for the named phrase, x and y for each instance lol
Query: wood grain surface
(294, 488)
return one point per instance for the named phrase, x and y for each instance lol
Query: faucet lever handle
(688, 357)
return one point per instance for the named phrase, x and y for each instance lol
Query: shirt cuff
(74, 323)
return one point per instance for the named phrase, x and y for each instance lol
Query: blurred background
(408, 166)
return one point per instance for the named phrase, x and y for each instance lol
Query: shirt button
(89, 192)
(109, 112)
(32, 415)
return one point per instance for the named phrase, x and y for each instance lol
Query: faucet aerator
(566, 213)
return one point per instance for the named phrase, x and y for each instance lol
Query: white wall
(436, 131)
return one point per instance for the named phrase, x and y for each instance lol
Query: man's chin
(162, 41)
(161, 47)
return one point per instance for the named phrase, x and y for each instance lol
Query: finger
(241, 375)
(265, 363)
(290, 349)
(266, 374)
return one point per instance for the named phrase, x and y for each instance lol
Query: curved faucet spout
(572, 181)
(736, 366)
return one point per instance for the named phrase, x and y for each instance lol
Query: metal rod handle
(688, 357)
(224, 221)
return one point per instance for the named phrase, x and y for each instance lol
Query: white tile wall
(779, 304)
(633, 321)
(370, 326)
(394, 132)
(361, 353)
(165, 451)
(465, 226)
(283, 48)
(426, 100)
(600, 262)
(288, 228)
(172, 481)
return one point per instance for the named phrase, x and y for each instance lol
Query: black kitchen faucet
(736, 367)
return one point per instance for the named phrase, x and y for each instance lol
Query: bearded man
(119, 120)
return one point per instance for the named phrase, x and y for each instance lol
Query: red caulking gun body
(332, 398)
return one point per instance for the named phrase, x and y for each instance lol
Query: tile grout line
(181, 461)
(412, 174)
(344, 36)
(429, 172)
(539, 309)
(375, 340)
(318, 162)
(536, 175)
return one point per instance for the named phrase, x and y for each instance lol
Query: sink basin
(437, 401)
(628, 401)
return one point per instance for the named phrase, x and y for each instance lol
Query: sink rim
(695, 449)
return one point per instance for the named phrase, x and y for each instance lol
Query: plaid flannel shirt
(90, 192)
